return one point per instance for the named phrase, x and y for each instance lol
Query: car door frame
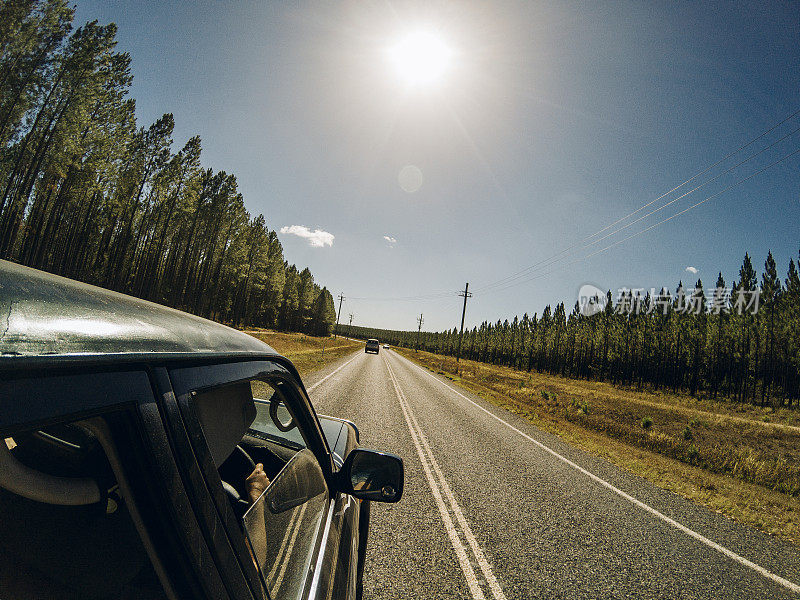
(219, 524)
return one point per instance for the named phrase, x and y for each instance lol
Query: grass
(723, 456)
(307, 353)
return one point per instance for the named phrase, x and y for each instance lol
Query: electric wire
(606, 228)
(544, 263)
(533, 271)
(651, 227)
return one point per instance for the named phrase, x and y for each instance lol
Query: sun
(420, 58)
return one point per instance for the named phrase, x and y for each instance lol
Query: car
(386, 345)
(129, 437)
(372, 346)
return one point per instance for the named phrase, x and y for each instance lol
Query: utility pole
(466, 294)
(339, 314)
(350, 326)
(420, 321)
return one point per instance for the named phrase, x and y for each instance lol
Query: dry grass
(307, 353)
(723, 456)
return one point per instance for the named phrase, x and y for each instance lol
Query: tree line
(740, 343)
(87, 193)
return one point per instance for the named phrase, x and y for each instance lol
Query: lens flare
(410, 178)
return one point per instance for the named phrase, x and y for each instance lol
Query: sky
(544, 123)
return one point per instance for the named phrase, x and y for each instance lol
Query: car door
(312, 545)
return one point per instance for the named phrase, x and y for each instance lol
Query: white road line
(497, 591)
(691, 533)
(313, 387)
(458, 546)
(282, 549)
(439, 486)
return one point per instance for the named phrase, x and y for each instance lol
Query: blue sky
(551, 121)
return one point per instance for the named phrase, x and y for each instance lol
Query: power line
(509, 278)
(533, 271)
(638, 233)
(663, 206)
(706, 170)
(431, 296)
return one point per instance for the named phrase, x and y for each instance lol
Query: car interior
(67, 531)
(226, 414)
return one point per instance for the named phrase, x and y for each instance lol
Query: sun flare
(420, 58)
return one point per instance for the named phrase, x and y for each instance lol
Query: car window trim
(321, 550)
(267, 437)
(216, 521)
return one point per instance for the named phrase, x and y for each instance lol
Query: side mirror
(372, 475)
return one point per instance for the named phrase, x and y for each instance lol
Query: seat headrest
(225, 415)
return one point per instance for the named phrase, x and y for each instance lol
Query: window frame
(197, 461)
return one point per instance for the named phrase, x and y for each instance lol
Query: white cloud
(316, 238)
(692, 270)
(390, 239)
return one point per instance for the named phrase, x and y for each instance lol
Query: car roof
(44, 315)
(372, 340)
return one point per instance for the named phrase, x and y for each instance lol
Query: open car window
(274, 420)
(252, 426)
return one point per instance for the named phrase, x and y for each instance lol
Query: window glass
(276, 423)
(282, 525)
(60, 551)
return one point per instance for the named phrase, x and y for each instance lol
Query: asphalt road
(496, 509)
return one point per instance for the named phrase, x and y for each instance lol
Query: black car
(372, 345)
(128, 432)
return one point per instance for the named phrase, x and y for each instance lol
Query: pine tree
(770, 298)
(323, 314)
(791, 333)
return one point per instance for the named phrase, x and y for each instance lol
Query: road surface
(497, 509)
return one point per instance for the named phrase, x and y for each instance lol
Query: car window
(273, 480)
(51, 549)
(276, 423)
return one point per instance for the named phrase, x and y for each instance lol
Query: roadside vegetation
(89, 193)
(738, 459)
(307, 353)
(714, 345)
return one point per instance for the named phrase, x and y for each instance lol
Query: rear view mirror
(372, 475)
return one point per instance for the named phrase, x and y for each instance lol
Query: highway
(497, 509)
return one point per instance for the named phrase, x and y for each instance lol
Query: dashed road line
(331, 374)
